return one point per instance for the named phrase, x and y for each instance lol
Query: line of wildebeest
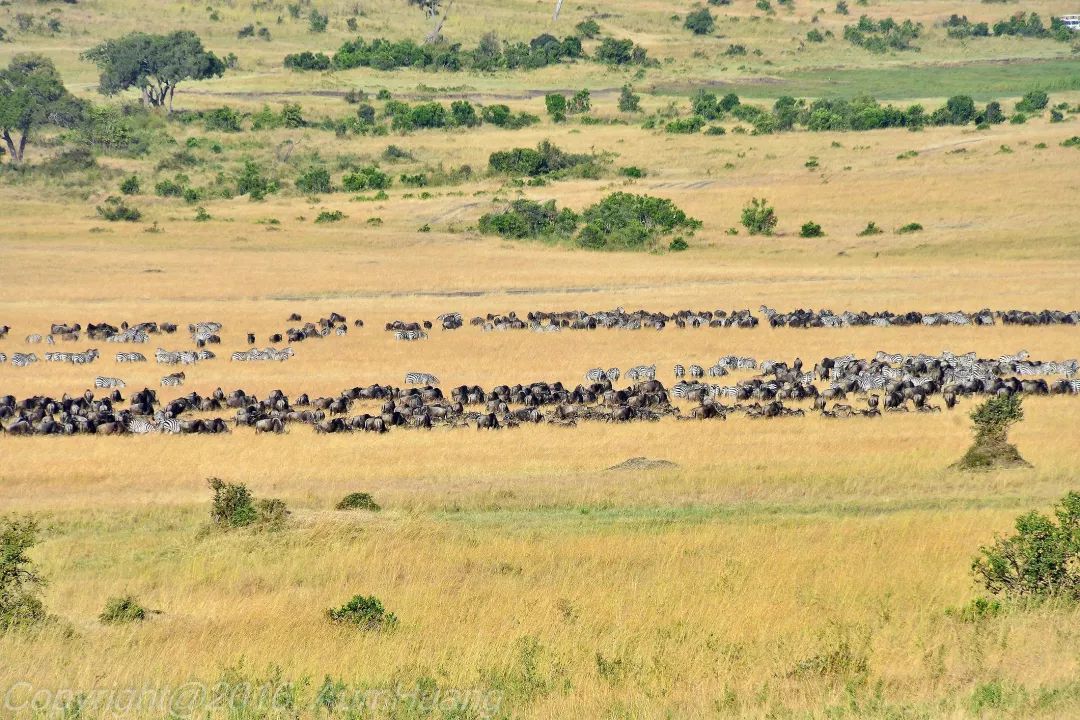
(839, 387)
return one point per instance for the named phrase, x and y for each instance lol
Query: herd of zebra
(885, 383)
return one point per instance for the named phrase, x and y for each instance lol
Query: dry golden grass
(791, 568)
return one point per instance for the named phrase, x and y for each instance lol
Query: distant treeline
(490, 54)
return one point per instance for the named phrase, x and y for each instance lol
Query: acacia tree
(32, 94)
(155, 64)
(432, 8)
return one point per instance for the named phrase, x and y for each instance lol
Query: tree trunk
(434, 34)
(171, 89)
(22, 144)
(558, 7)
(12, 151)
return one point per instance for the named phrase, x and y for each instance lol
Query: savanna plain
(788, 567)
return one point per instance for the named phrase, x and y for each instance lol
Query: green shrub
(233, 507)
(624, 221)
(130, 185)
(545, 159)
(529, 219)
(884, 35)
(169, 188)
(632, 171)
(1074, 141)
(815, 36)
(909, 228)
(317, 21)
(991, 421)
(977, 610)
(253, 183)
(870, 229)
(587, 28)
(201, 215)
(1041, 560)
(556, 106)
(1033, 102)
(329, 216)
(700, 22)
(115, 210)
(359, 500)
(759, 218)
(685, 126)
(307, 60)
(620, 52)
(580, 103)
(20, 582)
(628, 101)
(363, 612)
(367, 178)
(678, 245)
(121, 610)
(314, 181)
(223, 119)
(811, 229)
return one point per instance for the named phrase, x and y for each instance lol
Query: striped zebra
(680, 389)
(204, 330)
(1074, 387)
(169, 426)
(410, 335)
(131, 335)
(130, 357)
(805, 378)
(33, 339)
(697, 372)
(717, 370)
(141, 426)
(613, 374)
(3, 358)
(1013, 359)
(108, 382)
(420, 378)
(23, 360)
(57, 357)
(84, 358)
(173, 380)
(341, 330)
(679, 372)
(642, 372)
(595, 375)
(895, 359)
(205, 355)
(725, 391)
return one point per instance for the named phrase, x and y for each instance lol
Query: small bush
(223, 119)
(233, 506)
(314, 181)
(329, 216)
(556, 106)
(815, 36)
(678, 245)
(115, 210)
(759, 218)
(121, 610)
(870, 229)
(201, 215)
(628, 101)
(588, 28)
(1033, 102)
(1041, 560)
(358, 500)
(632, 171)
(368, 178)
(363, 612)
(1074, 141)
(909, 228)
(700, 22)
(130, 185)
(253, 183)
(20, 582)
(317, 21)
(624, 221)
(991, 423)
(977, 610)
(811, 229)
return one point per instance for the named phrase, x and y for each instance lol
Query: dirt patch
(644, 463)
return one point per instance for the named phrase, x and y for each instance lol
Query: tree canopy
(155, 64)
(32, 94)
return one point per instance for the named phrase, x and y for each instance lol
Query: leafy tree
(317, 21)
(1041, 560)
(1033, 101)
(588, 28)
(628, 101)
(580, 103)
(314, 181)
(556, 106)
(700, 22)
(991, 423)
(811, 229)
(32, 95)
(961, 109)
(759, 218)
(155, 64)
(20, 583)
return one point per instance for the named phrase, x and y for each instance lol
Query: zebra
(57, 357)
(410, 335)
(697, 372)
(3, 358)
(642, 372)
(419, 378)
(1013, 359)
(1074, 387)
(108, 382)
(23, 360)
(679, 371)
(717, 370)
(130, 357)
(33, 339)
(680, 389)
(169, 426)
(613, 374)
(173, 380)
(141, 426)
(84, 358)
(341, 330)
(595, 375)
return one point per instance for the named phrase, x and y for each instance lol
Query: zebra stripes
(130, 357)
(642, 372)
(679, 371)
(255, 355)
(23, 360)
(173, 380)
(410, 335)
(108, 382)
(420, 378)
